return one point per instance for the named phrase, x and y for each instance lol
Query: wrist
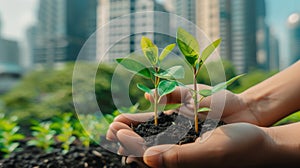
(284, 144)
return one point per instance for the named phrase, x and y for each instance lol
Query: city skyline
(276, 15)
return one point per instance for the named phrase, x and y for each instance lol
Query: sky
(277, 14)
(18, 15)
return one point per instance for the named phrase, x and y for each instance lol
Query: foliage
(164, 81)
(43, 136)
(64, 129)
(189, 47)
(9, 135)
(295, 117)
(42, 94)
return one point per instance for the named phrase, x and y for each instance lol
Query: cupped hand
(235, 110)
(233, 107)
(232, 145)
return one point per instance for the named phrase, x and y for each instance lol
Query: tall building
(10, 69)
(63, 27)
(0, 26)
(208, 18)
(31, 35)
(243, 31)
(274, 52)
(122, 36)
(262, 36)
(9, 52)
(225, 29)
(293, 23)
(185, 9)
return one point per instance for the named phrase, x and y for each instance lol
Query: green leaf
(17, 137)
(166, 51)
(209, 50)
(135, 67)
(203, 109)
(166, 87)
(224, 85)
(13, 146)
(188, 45)
(163, 107)
(144, 88)
(175, 72)
(150, 50)
(172, 106)
(205, 92)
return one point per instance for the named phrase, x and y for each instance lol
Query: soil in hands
(173, 129)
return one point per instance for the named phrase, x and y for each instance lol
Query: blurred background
(40, 40)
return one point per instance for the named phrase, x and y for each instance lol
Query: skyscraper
(63, 27)
(274, 52)
(10, 69)
(0, 25)
(243, 31)
(262, 36)
(185, 9)
(207, 17)
(293, 23)
(122, 34)
(225, 29)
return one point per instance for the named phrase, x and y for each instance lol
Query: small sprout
(43, 136)
(189, 47)
(9, 135)
(164, 81)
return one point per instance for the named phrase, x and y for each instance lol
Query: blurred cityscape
(63, 26)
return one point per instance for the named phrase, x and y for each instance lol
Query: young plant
(9, 135)
(66, 136)
(43, 136)
(63, 127)
(164, 81)
(189, 47)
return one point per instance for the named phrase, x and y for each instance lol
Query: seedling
(164, 81)
(9, 135)
(43, 136)
(64, 130)
(189, 47)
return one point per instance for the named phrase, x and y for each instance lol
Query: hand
(233, 145)
(236, 107)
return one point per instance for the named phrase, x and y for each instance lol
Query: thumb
(174, 156)
(159, 156)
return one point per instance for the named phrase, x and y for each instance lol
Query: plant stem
(195, 96)
(156, 97)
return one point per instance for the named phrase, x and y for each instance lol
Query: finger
(133, 119)
(122, 151)
(176, 156)
(114, 128)
(131, 142)
(137, 160)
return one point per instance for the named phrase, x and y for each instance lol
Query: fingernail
(153, 157)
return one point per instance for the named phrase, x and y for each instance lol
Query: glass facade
(63, 27)
(294, 37)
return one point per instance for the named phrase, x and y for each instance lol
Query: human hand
(234, 107)
(232, 145)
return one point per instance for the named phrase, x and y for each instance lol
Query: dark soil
(173, 129)
(77, 157)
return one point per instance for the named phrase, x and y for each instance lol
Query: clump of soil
(77, 157)
(173, 129)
